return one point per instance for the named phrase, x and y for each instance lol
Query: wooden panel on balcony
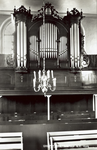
(67, 82)
(21, 80)
(6, 79)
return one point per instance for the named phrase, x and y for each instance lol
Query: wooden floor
(35, 131)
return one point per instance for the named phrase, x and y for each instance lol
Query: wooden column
(48, 106)
(95, 105)
(93, 102)
(0, 104)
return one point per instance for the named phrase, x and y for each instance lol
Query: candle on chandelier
(34, 74)
(54, 82)
(39, 74)
(52, 74)
(34, 83)
(48, 74)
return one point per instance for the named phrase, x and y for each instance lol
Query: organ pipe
(71, 48)
(78, 50)
(25, 46)
(22, 44)
(50, 41)
(75, 46)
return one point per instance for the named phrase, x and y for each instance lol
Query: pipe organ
(62, 37)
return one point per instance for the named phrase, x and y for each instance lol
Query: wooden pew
(82, 139)
(10, 141)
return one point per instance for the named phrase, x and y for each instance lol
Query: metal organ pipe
(75, 50)
(25, 45)
(71, 48)
(50, 41)
(22, 44)
(78, 56)
(52, 36)
(54, 41)
(46, 40)
(40, 42)
(35, 47)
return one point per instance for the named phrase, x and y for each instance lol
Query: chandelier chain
(43, 36)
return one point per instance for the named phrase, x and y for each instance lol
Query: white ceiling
(87, 6)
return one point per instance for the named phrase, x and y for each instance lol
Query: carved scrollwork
(82, 44)
(85, 61)
(49, 10)
(22, 14)
(10, 60)
(75, 12)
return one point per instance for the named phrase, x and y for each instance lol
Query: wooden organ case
(64, 39)
(64, 52)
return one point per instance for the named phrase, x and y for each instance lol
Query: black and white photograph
(48, 74)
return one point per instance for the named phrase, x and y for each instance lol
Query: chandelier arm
(37, 90)
(54, 88)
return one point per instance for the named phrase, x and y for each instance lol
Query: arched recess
(7, 37)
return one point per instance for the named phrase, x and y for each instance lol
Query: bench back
(12, 140)
(67, 139)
